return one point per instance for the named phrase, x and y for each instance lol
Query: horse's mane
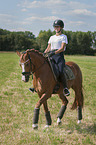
(36, 51)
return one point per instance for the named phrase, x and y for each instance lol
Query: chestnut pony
(33, 62)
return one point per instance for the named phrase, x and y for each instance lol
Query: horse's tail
(74, 105)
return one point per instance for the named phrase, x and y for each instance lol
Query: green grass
(17, 104)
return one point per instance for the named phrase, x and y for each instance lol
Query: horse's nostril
(23, 73)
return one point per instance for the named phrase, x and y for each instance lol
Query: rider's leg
(64, 82)
(61, 64)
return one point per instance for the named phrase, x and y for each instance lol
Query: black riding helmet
(58, 23)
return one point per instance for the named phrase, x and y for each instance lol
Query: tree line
(78, 42)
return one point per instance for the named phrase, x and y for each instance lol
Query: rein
(39, 67)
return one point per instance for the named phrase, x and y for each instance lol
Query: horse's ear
(18, 53)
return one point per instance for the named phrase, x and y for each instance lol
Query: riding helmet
(58, 23)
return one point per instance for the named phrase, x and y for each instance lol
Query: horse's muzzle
(25, 76)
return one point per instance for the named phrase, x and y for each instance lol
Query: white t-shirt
(56, 41)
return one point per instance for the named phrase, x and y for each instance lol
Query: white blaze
(23, 70)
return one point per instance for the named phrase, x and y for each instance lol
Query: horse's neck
(37, 59)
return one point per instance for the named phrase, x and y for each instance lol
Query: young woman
(56, 47)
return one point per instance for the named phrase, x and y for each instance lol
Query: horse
(33, 62)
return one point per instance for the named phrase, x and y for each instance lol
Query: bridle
(31, 64)
(30, 72)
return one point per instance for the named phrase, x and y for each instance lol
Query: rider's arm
(48, 48)
(63, 45)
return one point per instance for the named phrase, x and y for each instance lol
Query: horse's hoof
(79, 121)
(58, 121)
(46, 126)
(35, 126)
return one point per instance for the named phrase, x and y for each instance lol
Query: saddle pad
(69, 73)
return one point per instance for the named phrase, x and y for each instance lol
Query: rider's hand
(51, 54)
(44, 54)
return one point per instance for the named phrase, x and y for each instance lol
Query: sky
(37, 15)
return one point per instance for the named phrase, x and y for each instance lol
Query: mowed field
(17, 104)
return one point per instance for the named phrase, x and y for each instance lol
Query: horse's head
(26, 65)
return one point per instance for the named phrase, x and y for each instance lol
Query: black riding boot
(64, 82)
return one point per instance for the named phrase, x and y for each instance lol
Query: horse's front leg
(47, 114)
(42, 100)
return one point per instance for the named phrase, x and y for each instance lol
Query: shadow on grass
(89, 129)
(82, 128)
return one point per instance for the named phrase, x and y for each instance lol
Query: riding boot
(64, 82)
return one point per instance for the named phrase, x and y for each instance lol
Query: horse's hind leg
(47, 114)
(79, 103)
(63, 108)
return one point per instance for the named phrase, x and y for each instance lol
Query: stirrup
(66, 92)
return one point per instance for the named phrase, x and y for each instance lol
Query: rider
(56, 47)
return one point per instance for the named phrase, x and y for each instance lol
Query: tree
(78, 42)
(43, 38)
(94, 40)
